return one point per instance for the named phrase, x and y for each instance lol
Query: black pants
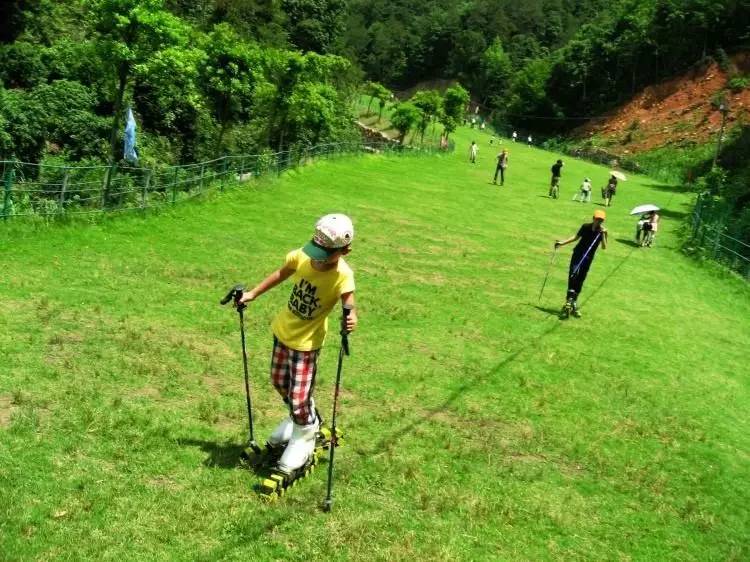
(576, 277)
(502, 174)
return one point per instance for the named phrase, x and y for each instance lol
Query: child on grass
(321, 277)
(585, 192)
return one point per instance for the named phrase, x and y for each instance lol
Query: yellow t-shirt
(303, 323)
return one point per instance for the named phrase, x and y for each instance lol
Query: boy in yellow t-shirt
(321, 277)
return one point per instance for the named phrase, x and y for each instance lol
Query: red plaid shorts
(293, 375)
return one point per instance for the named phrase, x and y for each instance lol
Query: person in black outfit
(554, 186)
(610, 190)
(589, 236)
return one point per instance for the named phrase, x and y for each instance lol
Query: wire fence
(45, 190)
(718, 236)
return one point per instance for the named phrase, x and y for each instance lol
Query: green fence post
(224, 166)
(107, 183)
(7, 189)
(242, 168)
(66, 177)
(146, 183)
(716, 242)
(697, 214)
(174, 186)
(200, 185)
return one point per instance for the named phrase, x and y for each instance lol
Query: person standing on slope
(502, 163)
(554, 186)
(589, 236)
(473, 150)
(321, 277)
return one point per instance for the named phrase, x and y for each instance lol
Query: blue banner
(130, 153)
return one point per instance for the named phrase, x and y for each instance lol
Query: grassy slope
(479, 425)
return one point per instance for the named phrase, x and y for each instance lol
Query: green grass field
(479, 425)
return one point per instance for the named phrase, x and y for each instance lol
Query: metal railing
(713, 232)
(47, 190)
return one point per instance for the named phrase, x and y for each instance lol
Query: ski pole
(343, 350)
(578, 266)
(235, 294)
(549, 268)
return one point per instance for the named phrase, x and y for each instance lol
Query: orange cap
(599, 214)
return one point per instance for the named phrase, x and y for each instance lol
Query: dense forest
(212, 77)
(541, 63)
(200, 69)
(69, 70)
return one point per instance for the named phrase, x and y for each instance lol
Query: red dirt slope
(678, 111)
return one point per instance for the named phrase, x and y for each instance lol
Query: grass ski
(277, 482)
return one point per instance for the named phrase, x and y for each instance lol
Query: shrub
(738, 83)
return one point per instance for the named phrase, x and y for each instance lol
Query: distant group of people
(590, 235)
(584, 193)
(529, 139)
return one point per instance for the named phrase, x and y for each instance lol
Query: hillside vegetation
(478, 425)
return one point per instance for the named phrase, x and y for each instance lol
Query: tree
(370, 89)
(228, 76)
(13, 14)
(431, 105)
(169, 96)
(130, 32)
(67, 110)
(377, 90)
(290, 72)
(21, 65)
(455, 101)
(383, 96)
(22, 136)
(528, 91)
(496, 71)
(466, 54)
(314, 25)
(263, 21)
(404, 117)
(312, 113)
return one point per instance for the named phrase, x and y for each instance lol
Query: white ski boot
(300, 448)
(282, 434)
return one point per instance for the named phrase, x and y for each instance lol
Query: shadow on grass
(220, 455)
(550, 311)
(609, 275)
(390, 441)
(668, 188)
(628, 242)
(672, 214)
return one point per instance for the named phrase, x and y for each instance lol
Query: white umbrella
(647, 208)
(619, 175)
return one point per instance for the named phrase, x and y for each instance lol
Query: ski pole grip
(346, 310)
(235, 293)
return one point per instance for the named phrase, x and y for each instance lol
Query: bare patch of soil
(679, 111)
(6, 410)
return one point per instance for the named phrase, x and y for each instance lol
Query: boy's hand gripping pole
(235, 294)
(344, 350)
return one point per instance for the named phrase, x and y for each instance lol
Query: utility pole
(724, 108)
